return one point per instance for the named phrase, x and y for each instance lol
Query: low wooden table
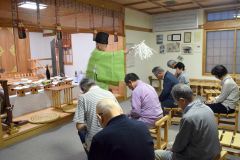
(56, 95)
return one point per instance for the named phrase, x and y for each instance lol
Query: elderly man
(197, 138)
(85, 114)
(171, 63)
(121, 137)
(145, 103)
(169, 80)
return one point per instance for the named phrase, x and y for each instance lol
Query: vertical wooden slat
(204, 53)
(235, 52)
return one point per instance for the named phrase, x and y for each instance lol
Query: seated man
(121, 138)
(227, 101)
(169, 80)
(145, 103)
(197, 138)
(181, 74)
(171, 63)
(85, 114)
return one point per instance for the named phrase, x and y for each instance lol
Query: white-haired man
(197, 138)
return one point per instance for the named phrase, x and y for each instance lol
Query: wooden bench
(156, 83)
(211, 92)
(224, 120)
(222, 155)
(161, 141)
(198, 85)
(230, 140)
(173, 117)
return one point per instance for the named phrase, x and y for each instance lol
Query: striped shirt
(86, 110)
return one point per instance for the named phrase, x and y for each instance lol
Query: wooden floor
(29, 129)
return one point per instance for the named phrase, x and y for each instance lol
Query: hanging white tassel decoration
(142, 50)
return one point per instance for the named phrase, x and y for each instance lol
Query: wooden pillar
(1, 133)
(22, 51)
(61, 57)
(54, 63)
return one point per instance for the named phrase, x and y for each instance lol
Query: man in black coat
(121, 138)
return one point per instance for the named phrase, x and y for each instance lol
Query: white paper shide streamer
(142, 50)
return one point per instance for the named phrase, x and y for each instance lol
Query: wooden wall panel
(228, 24)
(22, 53)
(7, 50)
(14, 52)
(113, 46)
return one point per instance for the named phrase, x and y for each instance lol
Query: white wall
(40, 47)
(192, 62)
(138, 19)
(141, 67)
(82, 46)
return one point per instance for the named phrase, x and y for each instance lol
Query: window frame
(205, 50)
(220, 25)
(237, 11)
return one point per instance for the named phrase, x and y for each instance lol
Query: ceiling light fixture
(31, 5)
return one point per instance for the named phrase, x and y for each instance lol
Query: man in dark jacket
(121, 138)
(169, 80)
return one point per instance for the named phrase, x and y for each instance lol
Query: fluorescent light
(31, 5)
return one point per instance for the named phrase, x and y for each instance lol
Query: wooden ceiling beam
(197, 3)
(160, 5)
(142, 9)
(134, 3)
(139, 10)
(104, 4)
(180, 4)
(206, 7)
(175, 10)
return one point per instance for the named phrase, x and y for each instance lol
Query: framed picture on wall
(187, 37)
(159, 39)
(169, 37)
(176, 37)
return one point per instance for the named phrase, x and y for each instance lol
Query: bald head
(106, 110)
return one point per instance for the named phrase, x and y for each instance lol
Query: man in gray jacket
(197, 138)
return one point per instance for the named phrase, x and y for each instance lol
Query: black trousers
(82, 135)
(219, 108)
